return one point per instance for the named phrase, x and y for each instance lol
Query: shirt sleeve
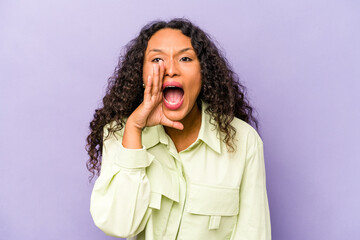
(253, 221)
(120, 198)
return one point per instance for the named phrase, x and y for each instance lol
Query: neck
(191, 123)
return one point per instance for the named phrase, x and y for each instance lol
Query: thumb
(167, 122)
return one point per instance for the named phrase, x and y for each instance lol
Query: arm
(121, 194)
(253, 221)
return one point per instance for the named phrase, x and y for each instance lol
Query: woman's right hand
(150, 112)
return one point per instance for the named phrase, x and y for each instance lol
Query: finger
(167, 122)
(147, 92)
(155, 78)
(161, 75)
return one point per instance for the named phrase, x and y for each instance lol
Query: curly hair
(221, 88)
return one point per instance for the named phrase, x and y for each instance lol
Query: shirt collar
(208, 132)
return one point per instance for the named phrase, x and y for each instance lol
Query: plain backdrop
(299, 60)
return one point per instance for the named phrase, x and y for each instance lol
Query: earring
(143, 85)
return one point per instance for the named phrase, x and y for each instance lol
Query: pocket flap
(212, 200)
(163, 181)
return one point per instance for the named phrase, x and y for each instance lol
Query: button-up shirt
(203, 192)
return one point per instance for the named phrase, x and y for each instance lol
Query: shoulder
(245, 133)
(113, 129)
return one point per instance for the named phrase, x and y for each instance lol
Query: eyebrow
(161, 51)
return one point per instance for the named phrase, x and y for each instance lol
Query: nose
(171, 68)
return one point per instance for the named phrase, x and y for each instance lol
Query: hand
(149, 112)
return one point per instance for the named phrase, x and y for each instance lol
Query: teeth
(171, 87)
(169, 102)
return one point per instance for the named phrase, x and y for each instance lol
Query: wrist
(132, 136)
(130, 124)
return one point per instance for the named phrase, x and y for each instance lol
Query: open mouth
(173, 95)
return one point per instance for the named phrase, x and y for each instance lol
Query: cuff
(133, 158)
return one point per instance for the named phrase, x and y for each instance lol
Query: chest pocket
(215, 202)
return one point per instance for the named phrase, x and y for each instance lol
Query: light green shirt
(202, 192)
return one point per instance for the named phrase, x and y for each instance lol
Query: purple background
(299, 59)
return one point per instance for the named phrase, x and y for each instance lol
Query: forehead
(169, 38)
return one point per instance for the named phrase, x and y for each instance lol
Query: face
(182, 76)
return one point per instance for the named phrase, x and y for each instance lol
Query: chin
(178, 114)
(174, 115)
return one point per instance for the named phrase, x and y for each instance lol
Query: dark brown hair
(221, 88)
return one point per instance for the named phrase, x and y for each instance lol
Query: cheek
(147, 70)
(195, 87)
(194, 78)
(198, 81)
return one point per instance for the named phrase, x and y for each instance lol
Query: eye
(156, 60)
(185, 59)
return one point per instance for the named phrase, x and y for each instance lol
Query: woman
(179, 159)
